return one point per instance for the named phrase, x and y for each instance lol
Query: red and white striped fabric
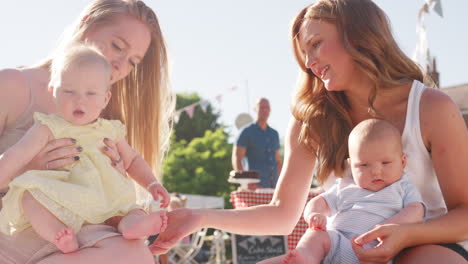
(240, 199)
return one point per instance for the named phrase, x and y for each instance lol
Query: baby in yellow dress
(56, 203)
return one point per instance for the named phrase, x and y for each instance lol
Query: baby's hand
(157, 190)
(318, 222)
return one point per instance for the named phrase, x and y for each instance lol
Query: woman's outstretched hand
(392, 239)
(181, 222)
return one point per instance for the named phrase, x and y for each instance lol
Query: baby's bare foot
(66, 240)
(151, 224)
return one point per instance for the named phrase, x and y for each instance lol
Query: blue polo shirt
(261, 146)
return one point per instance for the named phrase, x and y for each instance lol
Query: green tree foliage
(200, 166)
(188, 128)
(199, 159)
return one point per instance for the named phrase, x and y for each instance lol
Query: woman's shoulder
(437, 112)
(11, 80)
(15, 93)
(435, 104)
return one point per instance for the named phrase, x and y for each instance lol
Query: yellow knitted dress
(88, 192)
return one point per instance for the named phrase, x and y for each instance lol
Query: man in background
(260, 144)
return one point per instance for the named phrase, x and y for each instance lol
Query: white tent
(203, 201)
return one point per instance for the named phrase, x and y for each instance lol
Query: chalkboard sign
(252, 249)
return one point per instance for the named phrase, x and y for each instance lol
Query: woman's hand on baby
(157, 191)
(392, 239)
(181, 222)
(318, 222)
(56, 154)
(111, 151)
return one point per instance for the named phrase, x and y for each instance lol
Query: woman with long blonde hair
(128, 34)
(351, 70)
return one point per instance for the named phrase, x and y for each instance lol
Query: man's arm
(279, 162)
(412, 213)
(238, 153)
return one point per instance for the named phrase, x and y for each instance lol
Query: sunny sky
(216, 44)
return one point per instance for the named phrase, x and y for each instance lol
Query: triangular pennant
(177, 116)
(436, 5)
(219, 98)
(204, 105)
(190, 110)
(421, 53)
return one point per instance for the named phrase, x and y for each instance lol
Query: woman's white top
(419, 162)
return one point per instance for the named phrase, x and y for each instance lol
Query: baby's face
(376, 164)
(81, 93)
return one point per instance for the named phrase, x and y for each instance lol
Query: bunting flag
(421, 53)
(435, 5)
(177, 116)
(204, 105)
(190, 109)
(219, 98)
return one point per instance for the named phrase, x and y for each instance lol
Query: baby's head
(375, 154)
(80, 81)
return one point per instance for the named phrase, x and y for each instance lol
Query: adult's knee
(141, 253)
(135, 251)
(429, 254)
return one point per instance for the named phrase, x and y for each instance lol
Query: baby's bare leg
(312, 248)
(47, 225)
(139, 225)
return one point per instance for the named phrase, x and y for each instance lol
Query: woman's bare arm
(20, 154)
(445, 133)
(283, 212)
(279, 217)
(15, 96)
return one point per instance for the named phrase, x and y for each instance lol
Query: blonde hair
(366, 35)
(78, 55)
(142, 100)
(374, 129)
